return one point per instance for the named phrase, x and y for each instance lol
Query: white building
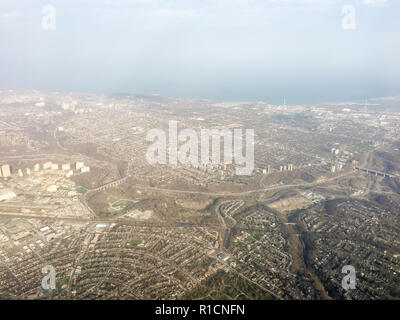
(79, 165)
(85, 169)
(50, 236)
(72, 193)
(66, 167)
(54, 166)
(69, 174)
(20, 173)
(28, 171)
(52, 188)
(47, 165)
(7, 194)
(5, 170)
(36, 167)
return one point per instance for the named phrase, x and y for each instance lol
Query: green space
(81, 190)
(61, 282)
(257, 235)
(123, 204)
(358, 148)
(239, 244)
(206, 262)
(227, 286)
(134, 242)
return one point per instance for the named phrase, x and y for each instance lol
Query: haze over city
(220, 50)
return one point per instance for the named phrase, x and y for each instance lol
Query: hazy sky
(214, 49)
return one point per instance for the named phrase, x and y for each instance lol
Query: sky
(224, 50)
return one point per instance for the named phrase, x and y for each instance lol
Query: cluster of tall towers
(289, 167)
(5, 170)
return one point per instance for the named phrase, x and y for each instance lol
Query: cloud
(374, 2)
(10, 15)
(173, 12)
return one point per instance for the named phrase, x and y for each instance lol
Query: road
(229, 194)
